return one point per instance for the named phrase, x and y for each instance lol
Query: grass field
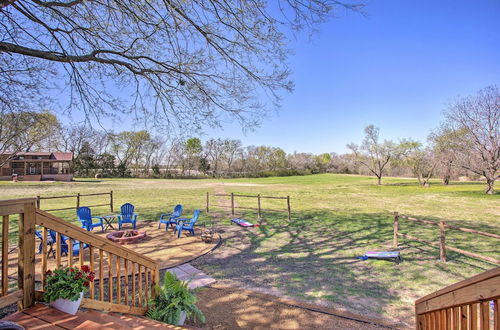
(334, 219)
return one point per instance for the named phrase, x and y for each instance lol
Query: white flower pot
(182, 319)
(67, 306)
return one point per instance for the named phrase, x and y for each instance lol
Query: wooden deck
(43, 317)
(164, 247)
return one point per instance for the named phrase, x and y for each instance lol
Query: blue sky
(396, 68)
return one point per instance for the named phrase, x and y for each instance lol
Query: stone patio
(196, 277)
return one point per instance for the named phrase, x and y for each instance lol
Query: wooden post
(396, 228)
(78, 200)
(207, 201)
(26, 257)
(258, 206)
(442, 242)
(38, 202)
(232, 204)
(289, 209)
(111, 200)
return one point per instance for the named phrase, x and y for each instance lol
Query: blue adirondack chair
(127, 216)
(187, 224)
(84, 215)
(50, 242)
(170, 218)
(64, 244)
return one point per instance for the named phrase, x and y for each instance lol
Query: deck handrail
(50, 221)
(124, 266)
(466, 303)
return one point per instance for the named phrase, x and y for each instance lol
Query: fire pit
(126, 236)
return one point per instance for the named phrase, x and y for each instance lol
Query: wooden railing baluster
(125, 266)
(80, 253)
(473, 317)
(464, 316)
(484, 320)
(110, 278)
(91, 265)
(44, 256)
(5, 255)
(58, 249)
(496, 314)
(70, 252)
(146, 286)
(133, 284)
(140, 285)
(101, 275)
(118, 281)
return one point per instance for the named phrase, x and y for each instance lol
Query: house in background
(38, 166)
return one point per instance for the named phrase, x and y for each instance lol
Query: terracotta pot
(66, 305)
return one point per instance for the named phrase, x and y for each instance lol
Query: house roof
(63, 155)
(52, 155)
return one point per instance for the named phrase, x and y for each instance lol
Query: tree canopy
(182, 62)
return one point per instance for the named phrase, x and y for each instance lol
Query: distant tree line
(467, 143)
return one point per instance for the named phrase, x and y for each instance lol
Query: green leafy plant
(171, 299)
(67, 283)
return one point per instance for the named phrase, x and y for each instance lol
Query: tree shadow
(313, 257)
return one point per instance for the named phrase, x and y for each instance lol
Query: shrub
(171, 299)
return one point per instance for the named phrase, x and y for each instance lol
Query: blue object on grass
(84, 215)
(243, 222)
(127, 216)
(64, 244)
(171, 218)
(385, 255)
(187, 224)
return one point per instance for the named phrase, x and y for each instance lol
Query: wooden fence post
(38, 202)
(442, 242)
(111, 200)
(289, 209)
(396, 228)
(78, 200)
(207, 201)
(258, 206)
(26, 256)
(232, 204)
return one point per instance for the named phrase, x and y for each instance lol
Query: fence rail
(259, 209)
(78, 201)
(442, 237)
(470, 304)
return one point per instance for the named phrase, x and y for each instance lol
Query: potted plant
(65, 287)
(174, 302)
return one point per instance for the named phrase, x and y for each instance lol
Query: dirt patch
(227, 308)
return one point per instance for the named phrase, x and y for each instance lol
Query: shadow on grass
(313, 257)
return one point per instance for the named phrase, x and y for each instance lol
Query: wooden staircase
(43, 317)
(126, 278)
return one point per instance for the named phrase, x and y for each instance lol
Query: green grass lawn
(334, 219)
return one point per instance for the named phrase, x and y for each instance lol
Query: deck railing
(125, 278)
(470, 304)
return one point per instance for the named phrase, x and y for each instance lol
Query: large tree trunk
(490, 183)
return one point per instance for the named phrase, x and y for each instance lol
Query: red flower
(71, 270)
(78, 275)
(85, 268)
(86, 283)
(48, 273)
(91, 276)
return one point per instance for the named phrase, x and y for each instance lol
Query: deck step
(44, 317)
